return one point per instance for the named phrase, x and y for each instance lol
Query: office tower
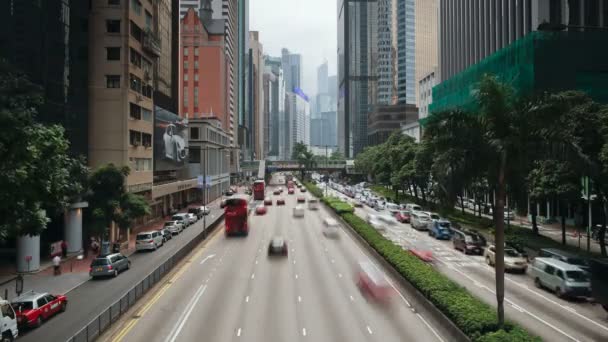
(276, 101)
(257, 94)
(426, 41)
(292, 70)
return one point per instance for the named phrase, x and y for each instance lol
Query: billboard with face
(170, 140)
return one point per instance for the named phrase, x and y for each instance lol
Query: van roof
(558, 264)
(561, 252)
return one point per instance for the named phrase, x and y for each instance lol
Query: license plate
(99, 269)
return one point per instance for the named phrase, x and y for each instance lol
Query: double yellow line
(141, 312)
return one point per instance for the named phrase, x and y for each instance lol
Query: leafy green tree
(110, 202)
(37, 175)
(305, 158)
(337, 155)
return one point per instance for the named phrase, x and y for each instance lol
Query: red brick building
(203, 68)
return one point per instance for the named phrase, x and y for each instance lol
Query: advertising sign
(170, 140)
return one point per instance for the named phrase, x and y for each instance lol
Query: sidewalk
(74, 271)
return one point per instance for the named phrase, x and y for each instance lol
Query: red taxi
(290, 191)
(32, 308)
(301, 199)
(280, 201)
(267, 201)
(372, 282)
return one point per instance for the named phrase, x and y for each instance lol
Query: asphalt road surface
(232, 291)
(539, 311)
(94, 296)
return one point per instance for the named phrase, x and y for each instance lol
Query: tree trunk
(533, 213)
(423, 195)
(602, 232)
(415, 191)
(461, 204)
(500, 240)
(396, 194)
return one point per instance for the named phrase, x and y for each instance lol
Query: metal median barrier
(112, 313)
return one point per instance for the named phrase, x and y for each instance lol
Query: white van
(148, 240)
(413, 207)
(8, 321)
(564, 279)
(330, 227)
(313, 204)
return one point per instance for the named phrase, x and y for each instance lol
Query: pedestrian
(64, 249)
(57, 264)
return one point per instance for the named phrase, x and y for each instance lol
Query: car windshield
(177, 217)
(144, 236)
(444, 225)
(277, 243)
(169, 223)
(435, 217)
(511, 252)
(471, 238)
(25, 305)
(577, 276)
(100, 262)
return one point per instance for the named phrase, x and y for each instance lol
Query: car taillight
(109, 267)
(151, 241)
(90, 269)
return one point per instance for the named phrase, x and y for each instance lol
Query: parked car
(9, 329)
(199, 211)
(175, 227)
(167, 235)
(514, 260)
(440, 229)
(467, 242)
(403, 216)
(32, 308)
(564, 279)
(392, 207)
(182, 218)
(420, 220)
(413, 207)
(566, 257)
(109, 265)
(148, 240)
(192, 218)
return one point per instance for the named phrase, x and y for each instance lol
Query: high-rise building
(322, 81)
(388, 53)
(323, 129)
(332, 86)
(297, 110)
(276, 103)
(322, 102)
(292, 70)
(406, 47)
(257, 94)
(203, 67)
(357, 79)
(426, 41)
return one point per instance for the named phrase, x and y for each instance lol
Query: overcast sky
(308, 27)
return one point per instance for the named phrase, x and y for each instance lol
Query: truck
(8, 321)
(599, 281)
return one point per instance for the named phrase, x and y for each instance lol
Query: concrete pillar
(548, 209)
(72, 229)
(28, 247)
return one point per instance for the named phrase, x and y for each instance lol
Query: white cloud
(308, 27)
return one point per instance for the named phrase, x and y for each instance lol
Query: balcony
(151, 43)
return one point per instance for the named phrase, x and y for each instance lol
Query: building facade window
(196, 51)
(135, 58)
(186, 51)
(135, 83)
(136, 32)
(195, 96)
(136, 6)
(134, 138)
(134, 111)
(194, 133)
(141, 164)
(185, 65)
(195, 65)
(146, 114)
(195, 77)
(113, 26)
(146, 140)
(113, 53)
(112, 81)
(148, 20)
(185, 96)
(113, 2)
(185, 77)
(194, 153)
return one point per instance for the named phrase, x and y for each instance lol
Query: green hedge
(475, 318)
(337, 205)
(313, 189)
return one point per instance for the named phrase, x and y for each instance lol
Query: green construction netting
(538, 62)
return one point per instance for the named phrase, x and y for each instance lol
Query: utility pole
(326, 166)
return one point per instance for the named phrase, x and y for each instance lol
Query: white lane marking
(207, 258)
(304, 331)
(296, 276)
(352, 299)
(179, 325)
(430, 327)
(524, 310)
(252, 275)
(333, 261)
(247, 299)
(339, 275)
(293, 249)
(238, 333)
(369, 330)
(256, 262)
(299, 299)
(518, 308)
(294, 262)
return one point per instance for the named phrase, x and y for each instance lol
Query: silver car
(109, 265)
(148, 240)
(175, 227)
(183, 218)
(193, 218)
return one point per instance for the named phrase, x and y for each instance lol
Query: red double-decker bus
(236, 216)
(259, 190)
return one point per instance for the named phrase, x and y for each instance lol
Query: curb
(416, 297)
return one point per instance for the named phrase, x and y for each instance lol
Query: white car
(193, 218)
(298, 211)
(331, 227)
(183, 218)
(388, 220)
(374, 221)
(148, 240)
(313, 204)
(392, 207)
(175, 227)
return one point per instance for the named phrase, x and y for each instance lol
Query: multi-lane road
(539, 311)
(231, 291)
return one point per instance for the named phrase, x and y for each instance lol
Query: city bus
(259, 187)
(236, 215)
